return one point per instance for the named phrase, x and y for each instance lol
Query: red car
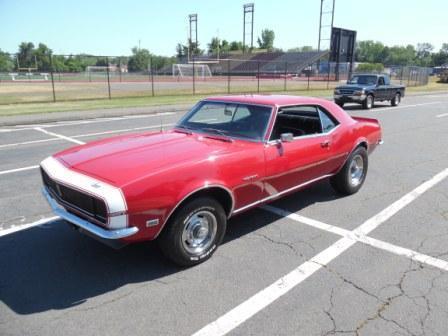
(225, 156)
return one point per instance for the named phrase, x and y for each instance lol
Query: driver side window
(302, 121)
(298, 120)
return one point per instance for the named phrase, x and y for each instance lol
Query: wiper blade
(184, 129)
(218, 131)
(215, 130)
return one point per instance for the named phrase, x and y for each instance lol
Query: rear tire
(396, 100)
(194, 232)
(369, 102)
(353, 174)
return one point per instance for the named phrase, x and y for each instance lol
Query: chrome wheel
(199, 232)
(356, 170)
(369, 102)
(397, 99)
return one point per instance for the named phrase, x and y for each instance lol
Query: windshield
(228, 119)
(365, 80)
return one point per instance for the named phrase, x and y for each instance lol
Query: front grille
(346, 91)
(75, 200)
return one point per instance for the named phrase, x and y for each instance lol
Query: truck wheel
(339, 103)
(194, 232)
(352, 175)
(396, 100)
(368, 102)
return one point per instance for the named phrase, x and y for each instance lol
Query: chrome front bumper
(349, 98)
(94, 230)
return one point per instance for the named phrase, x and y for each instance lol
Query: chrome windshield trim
(85, 225)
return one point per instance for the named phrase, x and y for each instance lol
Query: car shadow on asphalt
(52, 267)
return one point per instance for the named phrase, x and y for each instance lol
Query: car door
(381, 89)
(307, 157)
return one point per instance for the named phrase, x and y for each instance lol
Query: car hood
(354, 87)
(124, 159)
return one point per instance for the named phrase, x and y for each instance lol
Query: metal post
(409, 75)
(52, 78)
(152, 77)
(286, 73)
(194, 79)
(228, 76)
(120, 69)
(258, 76)
(309, 73)
(108, 77)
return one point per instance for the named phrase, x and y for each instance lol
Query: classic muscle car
(227, 155)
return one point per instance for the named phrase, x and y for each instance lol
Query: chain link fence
(70, 78)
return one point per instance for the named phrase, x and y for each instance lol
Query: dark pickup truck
(367, 89)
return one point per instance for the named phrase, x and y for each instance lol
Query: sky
(114, 27)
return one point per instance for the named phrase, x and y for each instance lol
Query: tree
(6, 63)
(25, 55)
(140, 59)
(181, 50)
(424, 54)
(370, 67)
(267, 39)
(213, 46)
(216, 46)
(399, 55)
(369, 51)
(43, 55)
(441, 57)
(235, 46)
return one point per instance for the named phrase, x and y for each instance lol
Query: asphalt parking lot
(312, 263)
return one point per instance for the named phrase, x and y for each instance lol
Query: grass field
(37, 97)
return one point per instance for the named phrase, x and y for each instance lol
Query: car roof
(273, 100)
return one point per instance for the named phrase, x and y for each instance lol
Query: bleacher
(266, 63)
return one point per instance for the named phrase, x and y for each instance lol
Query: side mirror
(286, 137)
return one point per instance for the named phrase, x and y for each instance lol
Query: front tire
(368, 102)
(396, 100)
(353, 174)
(339, 103)
(194, 232)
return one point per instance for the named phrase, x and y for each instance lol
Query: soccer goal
(93, 71)
(186, 70)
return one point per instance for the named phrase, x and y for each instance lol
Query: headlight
(358, 93)
(337, 92)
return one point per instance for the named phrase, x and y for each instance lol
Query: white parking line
(401, 251)
(17, 170)
(13, 229)
(81, 122)
(442, 115)
(59, 136)
(260, 300)
(84, 135)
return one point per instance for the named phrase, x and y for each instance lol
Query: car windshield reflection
(245, 121)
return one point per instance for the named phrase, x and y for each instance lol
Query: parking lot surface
(312, 263)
